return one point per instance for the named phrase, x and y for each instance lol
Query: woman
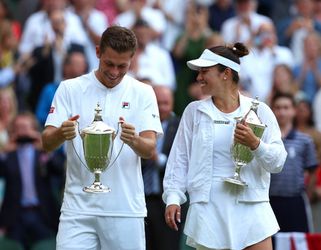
(304, 122)
(283, 82)
(222, 215)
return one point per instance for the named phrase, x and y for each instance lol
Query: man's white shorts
(83, 232)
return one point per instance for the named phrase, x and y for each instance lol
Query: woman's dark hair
(310, 120)
(234, 53)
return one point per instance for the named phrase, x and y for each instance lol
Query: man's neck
(286, 129)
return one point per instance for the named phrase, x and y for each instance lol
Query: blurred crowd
(46, 41)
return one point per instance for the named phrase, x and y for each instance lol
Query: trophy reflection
(98, 141)
(242, 154)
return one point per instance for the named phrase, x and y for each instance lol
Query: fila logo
(125, 105)
(51, 110)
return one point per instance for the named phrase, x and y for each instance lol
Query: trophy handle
(72, 142)
(112, 147)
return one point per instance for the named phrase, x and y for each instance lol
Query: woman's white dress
(224, 223)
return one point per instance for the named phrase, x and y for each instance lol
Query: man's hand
(128, 134)
(144, 143)
(68, 128)
(53, 137)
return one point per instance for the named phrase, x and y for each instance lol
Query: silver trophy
(242, 154)
(98, 141)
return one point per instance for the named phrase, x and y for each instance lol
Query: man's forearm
(52, 138)
(143, 146)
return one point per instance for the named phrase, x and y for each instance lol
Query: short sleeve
(59, 110)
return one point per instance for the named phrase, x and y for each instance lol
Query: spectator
(219, 11)
(38, 28)
(288, 191)
(94, 23)
(174, 11)
(158, 235)
(308, 73)
(189, 45)
(281, 10)
(29, 211)
(144, 65)
(23, 9)
(243, 26)
(317, 10)
(258, 67)
(10, 31)
(292, 30)
(48, 59)
(214, 39)
(316, 109)
(8, 44)
(140, 10)
(304, 123)
(316, 204)
(8, 110)
(283, 82)
(265, 7)
(5, 15)
(111, 8)
(74, 65)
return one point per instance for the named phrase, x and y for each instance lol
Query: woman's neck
(227, 103)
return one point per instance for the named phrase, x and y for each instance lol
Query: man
(38, 29)
(153, 171)
(139, 9)
(29, 212)
(288, 189)
(245, 24)
(144, 65)
(94, 23)
(113, 220)
(74, 65)
(47, 59)
(257, 78)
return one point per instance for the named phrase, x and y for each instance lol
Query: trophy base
(235, 181)
(96, 188)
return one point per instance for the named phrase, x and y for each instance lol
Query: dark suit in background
(46, 69)
(37, 220)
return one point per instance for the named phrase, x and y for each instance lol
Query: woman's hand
(172, 216)
(244, 134)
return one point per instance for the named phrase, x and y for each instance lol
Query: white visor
(209, 59)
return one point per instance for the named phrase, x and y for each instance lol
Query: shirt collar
(206, 106)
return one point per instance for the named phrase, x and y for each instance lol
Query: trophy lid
(252, 117)
(98, 126)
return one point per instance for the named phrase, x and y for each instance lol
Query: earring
(224, 78)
